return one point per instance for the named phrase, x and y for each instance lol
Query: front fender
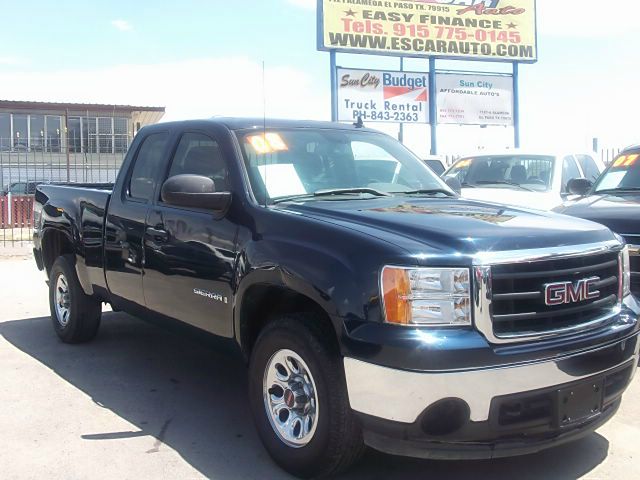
(340, 276)
(333, 288)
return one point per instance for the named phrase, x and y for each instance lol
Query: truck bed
(77, 211)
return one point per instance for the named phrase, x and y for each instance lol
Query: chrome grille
(634, 256)
(517, 300)
(635, 273)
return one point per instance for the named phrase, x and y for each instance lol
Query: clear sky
(203, 58)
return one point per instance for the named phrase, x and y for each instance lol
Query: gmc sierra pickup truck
(373, 305)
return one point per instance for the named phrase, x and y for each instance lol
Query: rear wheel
(75, 315)
(299, 399)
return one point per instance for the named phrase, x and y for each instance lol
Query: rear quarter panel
(77, 213)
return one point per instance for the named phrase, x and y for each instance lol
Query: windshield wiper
(432, 191)
(348, 191)
(467, 185)
(502, 182)
(333, 192)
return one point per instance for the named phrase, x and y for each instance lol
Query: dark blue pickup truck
(373, 305)
(613, 201)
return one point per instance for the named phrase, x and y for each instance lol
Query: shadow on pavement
(192, 398)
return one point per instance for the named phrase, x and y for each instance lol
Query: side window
(198, 154)
(142, 183)
(589, 167)
(569, 171)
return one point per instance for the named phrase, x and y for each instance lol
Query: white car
(522, 178)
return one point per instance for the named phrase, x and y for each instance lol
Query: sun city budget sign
(503, 30)
(379, 96)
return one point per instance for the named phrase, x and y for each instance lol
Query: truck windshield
(523, 172)
(333, 164)
(623, 175)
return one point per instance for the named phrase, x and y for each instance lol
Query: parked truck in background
(613, 200)
(373, 305)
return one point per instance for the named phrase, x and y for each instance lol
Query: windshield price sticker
(480, 29)
(382, 96)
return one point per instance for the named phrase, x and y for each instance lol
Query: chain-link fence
(25, 164)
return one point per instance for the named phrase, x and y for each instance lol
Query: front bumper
(399, 409)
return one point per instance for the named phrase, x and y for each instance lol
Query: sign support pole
(401, 131)
(433, 106)
(516, 105)
(334, 86)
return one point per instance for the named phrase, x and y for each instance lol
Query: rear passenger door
(126, 222)
(189, 252)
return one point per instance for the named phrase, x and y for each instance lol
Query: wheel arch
(262, 301)
(55, 243)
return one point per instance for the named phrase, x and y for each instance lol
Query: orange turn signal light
(396, 289)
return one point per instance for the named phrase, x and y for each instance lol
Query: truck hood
(453, 226)
(621, 213)
(520, 198)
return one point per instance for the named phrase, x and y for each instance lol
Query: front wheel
(75, 315)
(299, 399)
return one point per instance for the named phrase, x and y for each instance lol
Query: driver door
(190, 252)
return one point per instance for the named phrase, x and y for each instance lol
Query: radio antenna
(264, 131)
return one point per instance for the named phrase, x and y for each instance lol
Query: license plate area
(579, 402)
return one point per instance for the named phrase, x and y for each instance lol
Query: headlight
(426, 296)
(625, 273)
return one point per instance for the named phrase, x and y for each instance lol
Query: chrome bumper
(402, 396)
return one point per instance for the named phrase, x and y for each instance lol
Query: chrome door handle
(157, 234)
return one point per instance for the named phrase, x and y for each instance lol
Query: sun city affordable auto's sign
(474, 99)
(502, 30)
(381, 96)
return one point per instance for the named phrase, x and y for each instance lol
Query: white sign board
(474, 99)
(382, 96)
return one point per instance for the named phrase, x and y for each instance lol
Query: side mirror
(579, 186)
(194, 191)
(454, 184)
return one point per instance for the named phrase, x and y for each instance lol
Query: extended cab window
(145, 168)
(199, 154)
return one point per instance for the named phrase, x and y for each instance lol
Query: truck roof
(240, 123)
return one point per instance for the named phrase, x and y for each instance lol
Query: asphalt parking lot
(141, 402)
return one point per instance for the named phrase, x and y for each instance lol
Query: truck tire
(299, 400)
(75, 315)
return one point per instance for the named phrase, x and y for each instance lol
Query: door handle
(157, 234)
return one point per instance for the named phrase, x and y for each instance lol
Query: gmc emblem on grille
(567, 292)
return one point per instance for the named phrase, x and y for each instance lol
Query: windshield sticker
(281, 180)
(267, 143)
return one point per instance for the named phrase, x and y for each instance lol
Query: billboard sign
(489, 30)
(382, 96)
(466, 99)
